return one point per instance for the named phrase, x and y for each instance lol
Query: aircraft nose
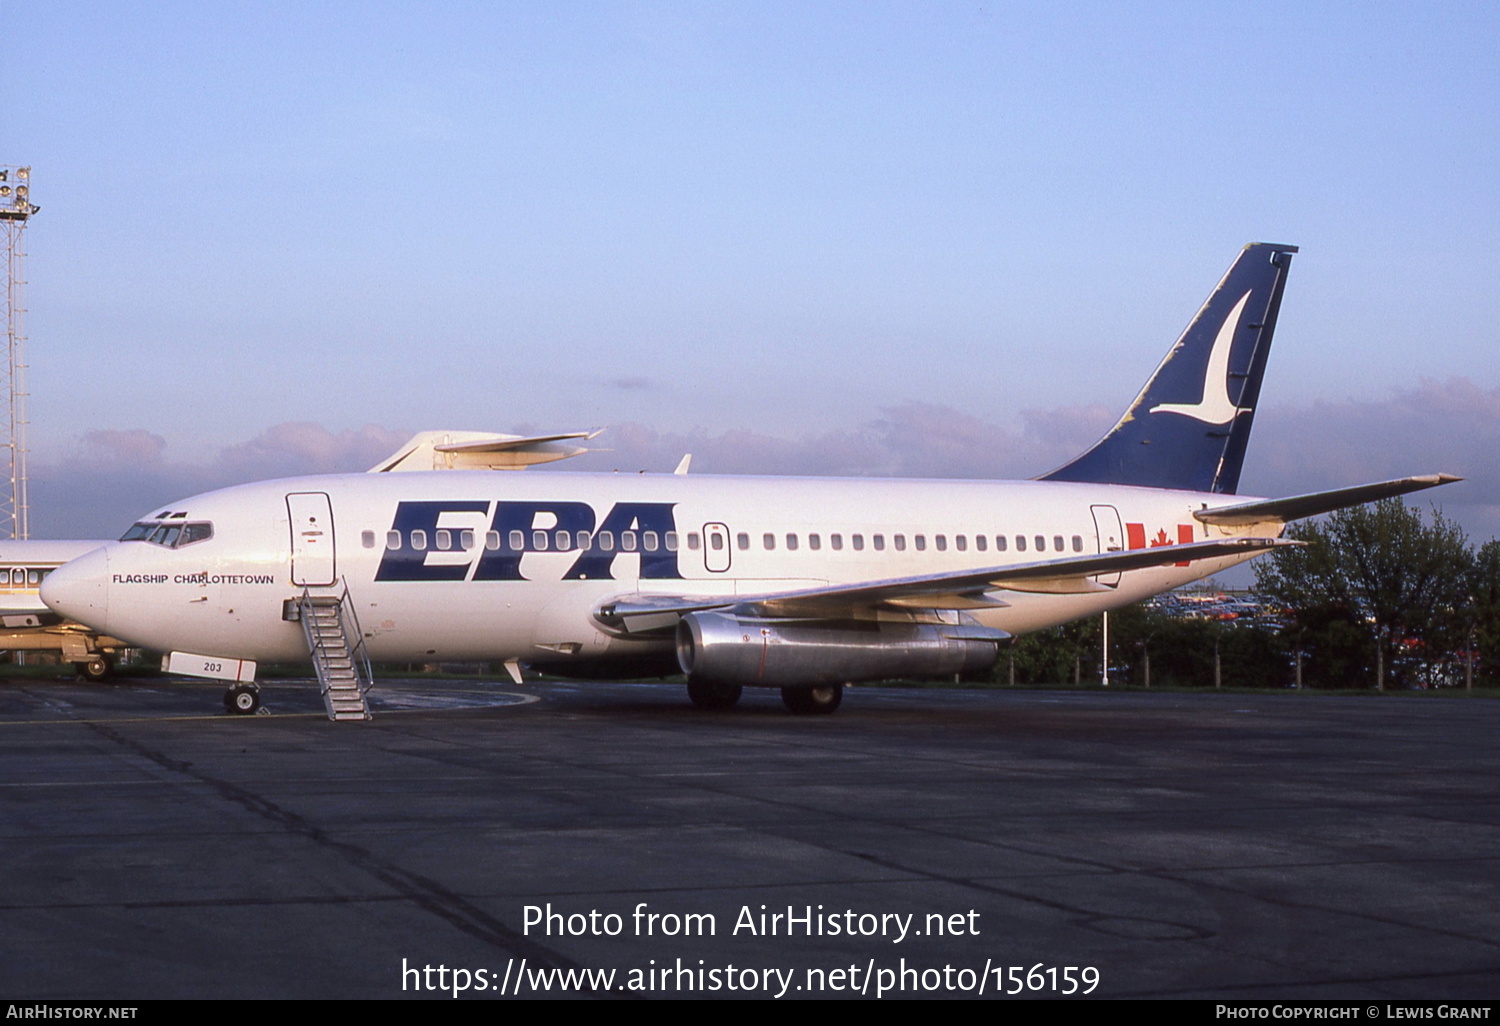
(79, 589)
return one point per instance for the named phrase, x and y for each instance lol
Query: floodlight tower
(16, 209)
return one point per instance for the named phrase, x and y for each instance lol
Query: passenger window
(836, 541)
(879, 541)
(1000, 541)
(1020, 543)
(563, 539)
(33, 577)
(367, 539)
(791, 542)
(670, 538)
(920, 542)
(1041, 543)
(419, 540)
(649, 541)
(582, 539)
(941, 541)
(742, 540)
(442, 540)
(1057, 542)
(981, 542)
(961, 543)
(605, 540)
(392, 540)
(627, 541)
(1077, 543)
(18, 578)
(539, 540)
(716, 541)
(466, 539)
(492, 541)
(517, 541)
(857, 541)
(693, 542)
(769, 541)
(815, 541)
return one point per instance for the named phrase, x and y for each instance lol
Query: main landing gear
(820, 700)
(242, 699)
(804, 701)
(713, 694)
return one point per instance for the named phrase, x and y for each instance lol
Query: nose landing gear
(95, 668)
(242, 699)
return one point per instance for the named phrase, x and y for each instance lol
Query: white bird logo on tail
(1214, 407)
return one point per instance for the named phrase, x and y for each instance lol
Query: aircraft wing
(477, 450)
(1295, 507)
(960, 589)
(499, 443)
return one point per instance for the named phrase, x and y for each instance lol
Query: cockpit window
(166, 535)
(195, 533)
(171, 536)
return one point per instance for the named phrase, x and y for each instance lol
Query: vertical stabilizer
(1189, 426)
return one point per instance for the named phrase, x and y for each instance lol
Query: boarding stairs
(337, 647)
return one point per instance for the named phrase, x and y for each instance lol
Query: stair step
(343, 678)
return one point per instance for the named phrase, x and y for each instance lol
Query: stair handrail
(354, 638)
(359, 653)
(308, 619)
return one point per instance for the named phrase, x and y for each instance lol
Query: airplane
(801, 584)
(26, 624)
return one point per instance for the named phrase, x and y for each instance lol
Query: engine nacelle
(732, 649)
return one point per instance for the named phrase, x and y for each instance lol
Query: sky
(935, 239)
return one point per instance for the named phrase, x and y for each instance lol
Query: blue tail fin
(1189, 426)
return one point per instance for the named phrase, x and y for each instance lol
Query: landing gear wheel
(713, 694)
(242, 699)
(95, 668)
(821, 700)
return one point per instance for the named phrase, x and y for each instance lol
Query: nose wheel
(95, 668)
(242, 699)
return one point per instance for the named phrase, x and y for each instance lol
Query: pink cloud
(1451, 425)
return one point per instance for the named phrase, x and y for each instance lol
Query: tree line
(1380, 596)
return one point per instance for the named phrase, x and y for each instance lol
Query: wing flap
(639, 614)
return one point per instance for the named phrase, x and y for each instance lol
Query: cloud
(107, 448)
(1453, 425)
(288, 450)
(633, 384)
(111, 477)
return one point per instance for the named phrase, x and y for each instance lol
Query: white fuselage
(483, 565)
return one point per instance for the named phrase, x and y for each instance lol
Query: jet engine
(733, 649)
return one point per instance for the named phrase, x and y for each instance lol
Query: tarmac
(490, 841)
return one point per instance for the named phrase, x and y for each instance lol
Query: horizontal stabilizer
(1296, 507)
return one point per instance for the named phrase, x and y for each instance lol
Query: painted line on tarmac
(382, 710)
